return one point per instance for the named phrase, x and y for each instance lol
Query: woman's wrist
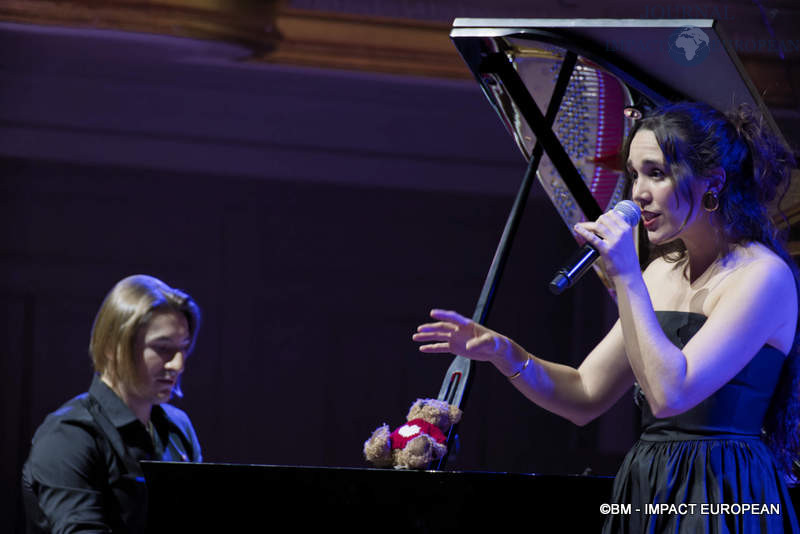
(629, 279)
(512, 359)
(521, 369)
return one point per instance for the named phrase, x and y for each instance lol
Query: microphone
(580, 262)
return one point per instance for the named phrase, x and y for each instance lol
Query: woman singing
(707, 334)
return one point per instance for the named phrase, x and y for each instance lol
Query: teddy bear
(418, 442)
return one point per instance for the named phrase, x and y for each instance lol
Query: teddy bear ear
(418, 404)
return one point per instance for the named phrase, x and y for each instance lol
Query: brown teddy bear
(418, 442)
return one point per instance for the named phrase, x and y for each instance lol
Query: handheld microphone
(580, 262)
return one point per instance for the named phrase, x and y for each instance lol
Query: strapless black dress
(705, 470)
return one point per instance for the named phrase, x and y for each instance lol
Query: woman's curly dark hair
(697, 139)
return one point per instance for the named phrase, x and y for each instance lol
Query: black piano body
(185, 497)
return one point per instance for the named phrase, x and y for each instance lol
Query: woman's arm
(579, 395)
(756, 306)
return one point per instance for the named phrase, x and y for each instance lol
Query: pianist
(707, 334)
(83, 472)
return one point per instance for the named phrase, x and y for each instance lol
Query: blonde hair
(127, 308)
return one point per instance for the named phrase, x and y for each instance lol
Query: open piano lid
(618, 63)
(561, 88)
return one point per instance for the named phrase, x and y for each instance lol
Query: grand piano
(567, 91)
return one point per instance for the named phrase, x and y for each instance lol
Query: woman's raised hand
(458, 335)
(612, 237)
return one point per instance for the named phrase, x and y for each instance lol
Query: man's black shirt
(83, 473)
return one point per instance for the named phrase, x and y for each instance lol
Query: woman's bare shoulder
(755, 260)
(759, 283)
(754, 268)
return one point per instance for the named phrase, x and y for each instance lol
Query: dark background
(316, 216)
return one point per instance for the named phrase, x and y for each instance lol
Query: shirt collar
(117, 411)
(159, 417)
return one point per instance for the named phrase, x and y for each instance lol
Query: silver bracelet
(524, 365)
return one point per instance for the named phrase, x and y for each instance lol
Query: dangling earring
(710, 200)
